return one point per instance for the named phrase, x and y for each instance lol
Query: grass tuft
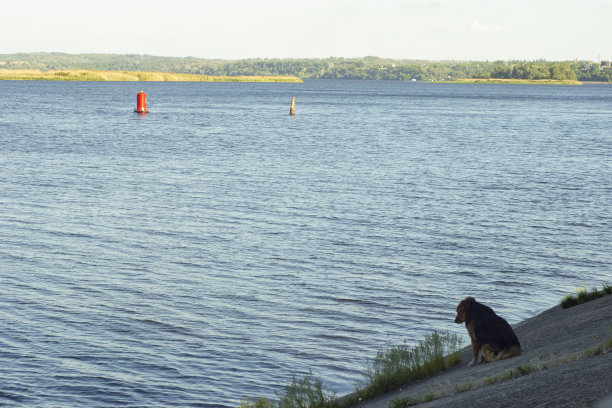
(411, 401)
(307, 392)
(258, 403)
(462, 387)
(583, 295)
(527, 368)
(394, 366)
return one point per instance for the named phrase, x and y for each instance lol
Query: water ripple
(205, 253)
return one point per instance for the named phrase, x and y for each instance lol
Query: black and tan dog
(488, 332)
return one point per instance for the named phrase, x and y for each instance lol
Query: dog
(489, 333)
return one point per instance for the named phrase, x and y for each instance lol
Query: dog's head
(462, 309)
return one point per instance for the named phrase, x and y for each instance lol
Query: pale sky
(236, 29)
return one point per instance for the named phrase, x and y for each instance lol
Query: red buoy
(141, 103)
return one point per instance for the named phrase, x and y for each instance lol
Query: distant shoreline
(126, 76)
(513, 81)
(359, 68)
(154, 76)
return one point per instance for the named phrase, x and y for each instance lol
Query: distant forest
(316, 68)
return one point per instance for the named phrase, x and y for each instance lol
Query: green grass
(92, 75)
(392, 367)
(258, 403)
(463, 387)
(583, 294)
(307, 392)
(395, 366)
(411, 401)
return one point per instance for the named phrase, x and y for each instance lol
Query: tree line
(373, 68)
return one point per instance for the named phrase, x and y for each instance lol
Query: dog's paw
(472, 363)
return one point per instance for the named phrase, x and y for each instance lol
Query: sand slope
(549, 336)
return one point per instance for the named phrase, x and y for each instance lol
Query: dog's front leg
(475, 350)
(475, 343)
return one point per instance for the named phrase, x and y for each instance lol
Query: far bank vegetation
(373, 68)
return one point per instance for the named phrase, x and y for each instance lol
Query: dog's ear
(469, 299)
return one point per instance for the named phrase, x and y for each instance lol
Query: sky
(555, 30)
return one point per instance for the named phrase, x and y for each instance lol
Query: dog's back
(491, 329)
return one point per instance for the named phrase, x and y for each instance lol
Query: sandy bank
(93, 75)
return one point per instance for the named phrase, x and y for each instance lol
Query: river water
(210, 250)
